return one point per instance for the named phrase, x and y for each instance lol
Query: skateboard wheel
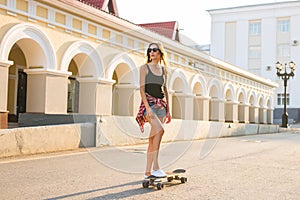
(170, 179)
(160, 186)
(183, 179)
(146, 184)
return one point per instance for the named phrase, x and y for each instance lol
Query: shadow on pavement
(124, 194)
(117, 195)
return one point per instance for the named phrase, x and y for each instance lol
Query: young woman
(154, 107)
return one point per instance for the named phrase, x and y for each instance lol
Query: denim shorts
(159, 111)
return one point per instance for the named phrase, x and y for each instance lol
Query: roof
(168, 29)
(105, 5)
(253, 5)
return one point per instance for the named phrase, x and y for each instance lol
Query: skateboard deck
(160, 182)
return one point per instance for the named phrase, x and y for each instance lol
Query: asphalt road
(250, 167)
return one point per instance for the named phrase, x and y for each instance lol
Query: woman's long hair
(163, 54)
(163, 57)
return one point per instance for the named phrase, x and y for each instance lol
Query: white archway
(40, 51)
(182, 87)
(198, 79)
(132, 73)
(216, 103)
(215, 89)
(125, 96)
(231, 108)
(88, 60)
(243, 108)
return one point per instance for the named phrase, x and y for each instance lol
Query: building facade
(255, 38)
(64, 57)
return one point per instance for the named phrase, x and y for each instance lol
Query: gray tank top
(154, 83)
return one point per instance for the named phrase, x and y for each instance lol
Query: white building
(254, 38)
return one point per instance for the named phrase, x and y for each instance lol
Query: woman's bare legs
(155, 137)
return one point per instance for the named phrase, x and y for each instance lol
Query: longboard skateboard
(160, 182)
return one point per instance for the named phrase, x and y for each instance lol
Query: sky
(192, 16)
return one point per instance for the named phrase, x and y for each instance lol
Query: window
(254, 52)
(254, 28)
(280, 99)
(283, 25)
(283, 50)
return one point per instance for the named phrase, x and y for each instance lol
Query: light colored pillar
(104, 97)
(243, 113)
(253, 114)
(4, 65)
(47, 91)
(126, 99)
(95, 96)
(270, 116)
(201, 108)
(231, 111)
(217, 110)
(263, 115)
(184, 105)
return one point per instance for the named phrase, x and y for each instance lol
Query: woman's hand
(167, 118)
(149, 113)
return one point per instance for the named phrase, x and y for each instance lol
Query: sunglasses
(154, 50)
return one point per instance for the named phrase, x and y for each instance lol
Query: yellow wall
(60, 18)
(3, 2)
(42, 12)
(22, 5)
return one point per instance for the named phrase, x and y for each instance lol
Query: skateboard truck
(160, 184)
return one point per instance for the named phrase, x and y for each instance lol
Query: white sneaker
(158, 173)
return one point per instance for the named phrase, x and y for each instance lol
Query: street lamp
(285, 75)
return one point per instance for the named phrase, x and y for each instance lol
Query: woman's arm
(168, 115)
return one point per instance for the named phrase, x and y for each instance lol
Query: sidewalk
(252, 167)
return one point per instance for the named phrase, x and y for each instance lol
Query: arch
(40, 52)
(261, 100)
(178, 81)
(252, 101)
(123, 71)
(215, 89)
(261, 106)
(251, 98)
(196, 81)
(269, 102)
(243, 112)
(229, 88)
(241, 95)
(122, 58)
(87, 57)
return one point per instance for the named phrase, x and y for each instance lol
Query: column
(263, 115)
(231, 111)
(104, 97)
(270, 115)
(243, 113)
(4, 65)
(47, 91)
(95, 96)
(253, 114)
(183, 106)
(201, 108)
(126, 98)
(217, 110)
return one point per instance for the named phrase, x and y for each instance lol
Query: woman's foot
(147, 175)
(158, 173)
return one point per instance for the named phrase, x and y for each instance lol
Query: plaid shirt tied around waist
(140, 118)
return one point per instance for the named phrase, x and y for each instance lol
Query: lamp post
(285, 76)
